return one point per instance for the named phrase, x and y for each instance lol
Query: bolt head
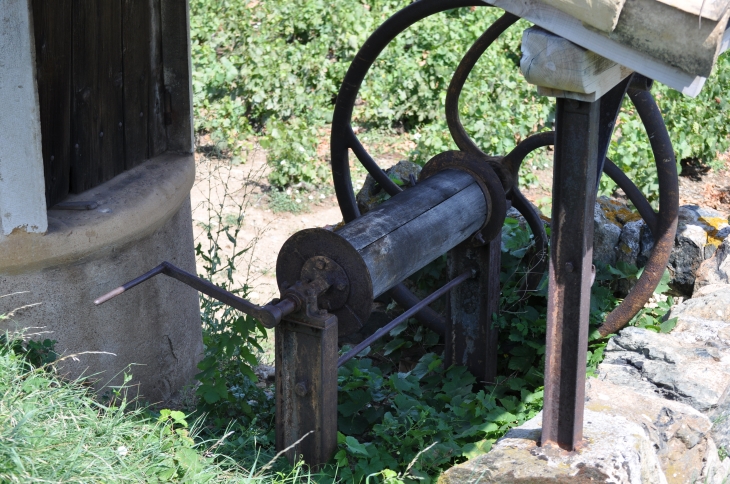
(320, 265)
(569, 267)
(301, 389)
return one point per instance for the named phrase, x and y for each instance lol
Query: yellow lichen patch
(598, 406)
(714, 225)
(618, 213)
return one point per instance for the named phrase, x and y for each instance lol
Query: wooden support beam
(599, 14)
(571, 28)
(561, 68)
(306, 390)
(471, 337)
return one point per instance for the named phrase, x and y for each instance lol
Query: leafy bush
(279, 64)
(292, 153)
(431, 415)
(35, 354)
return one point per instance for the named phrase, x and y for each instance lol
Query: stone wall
(658, 410)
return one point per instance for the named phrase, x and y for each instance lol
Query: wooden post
(306, 390)
(471, 340)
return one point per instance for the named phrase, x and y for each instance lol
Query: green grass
(57, 431)
(280, 201)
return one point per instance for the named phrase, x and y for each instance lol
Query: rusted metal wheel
(662, 224)
(343, 139)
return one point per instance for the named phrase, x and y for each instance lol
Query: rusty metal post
(471, 339)
(306, 390)
(571, 253)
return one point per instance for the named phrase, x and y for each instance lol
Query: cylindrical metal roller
(388, 244)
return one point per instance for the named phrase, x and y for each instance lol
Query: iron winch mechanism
(328, 279)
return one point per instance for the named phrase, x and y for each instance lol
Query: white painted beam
(562, 24)
(599, 14)
(22, 186)
(560, 68)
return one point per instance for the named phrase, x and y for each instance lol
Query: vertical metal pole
(306, 390)
(571, 254)
(471, 340)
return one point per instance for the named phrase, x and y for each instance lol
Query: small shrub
(36, 354)
(231, 339)
(280, 201)
(292, 154)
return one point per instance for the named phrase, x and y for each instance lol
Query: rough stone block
(616, 450)
(694, 374)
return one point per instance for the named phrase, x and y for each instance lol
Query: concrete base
(143, 219)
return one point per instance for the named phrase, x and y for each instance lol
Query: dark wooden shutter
(101, 89)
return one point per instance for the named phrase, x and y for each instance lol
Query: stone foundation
(143, 217)
(657, 412)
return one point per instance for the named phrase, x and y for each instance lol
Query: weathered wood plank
(572, 29)
(411, 204)
(561, 68)
(400, 253)
(137, 35)
(144, 87)
(471, 337)
(709, 9)
(671, 35)
(157, 130)
(178, 82)
(599, 14)
(306, 391)
(52, 26)
(98, 93)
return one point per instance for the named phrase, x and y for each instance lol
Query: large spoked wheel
(662, 223)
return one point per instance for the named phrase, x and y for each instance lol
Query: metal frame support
(571, 271)
(306, 389)
(471, 338)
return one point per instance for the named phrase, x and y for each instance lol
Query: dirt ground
(223, 192)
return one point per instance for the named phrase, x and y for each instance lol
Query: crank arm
(269, 315)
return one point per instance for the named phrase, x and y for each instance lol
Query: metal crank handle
(269, 315)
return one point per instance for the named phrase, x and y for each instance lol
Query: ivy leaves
(387, 421)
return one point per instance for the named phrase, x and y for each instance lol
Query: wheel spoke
(458, 133)
(634, 194)
(372, 167)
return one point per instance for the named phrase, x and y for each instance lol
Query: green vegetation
(273, 68)
(52, 430)
(402, 426)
